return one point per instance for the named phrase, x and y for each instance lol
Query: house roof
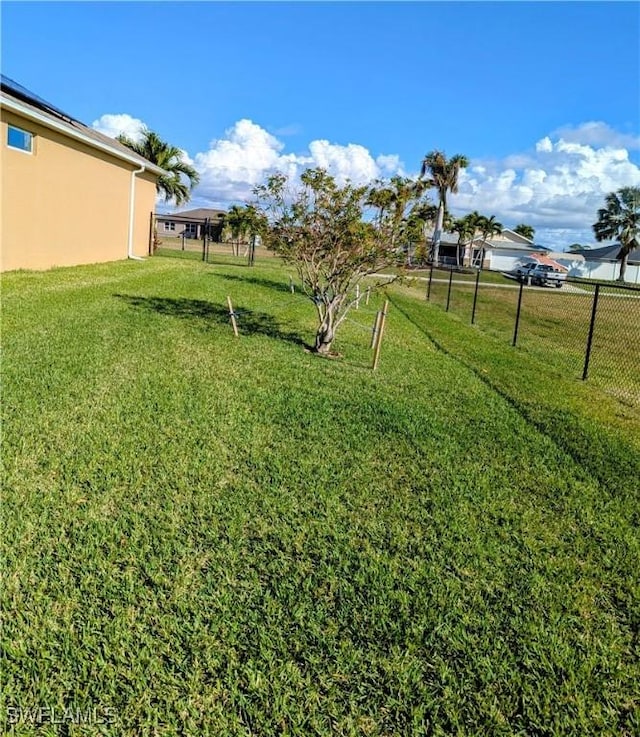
(512, 241)
(565, 256)
(608, 253)
(20, 100)
(543, 258)
(199, 213)
(517, 236)
(512, 245)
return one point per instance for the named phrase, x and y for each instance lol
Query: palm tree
(236, 220)
(620, 219)
(172, 185)
(526, 231)
(421, 217)
(443, 176)
(465, 230)
(488, 226)
(396, 203)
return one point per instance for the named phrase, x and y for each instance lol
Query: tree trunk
(437, 235)
(623, 267)
(325, 333)
(324, 339)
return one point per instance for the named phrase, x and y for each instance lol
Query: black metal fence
(590, 330)
(198, 238)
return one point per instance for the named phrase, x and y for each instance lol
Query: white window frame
(169, 225)
(24, 132)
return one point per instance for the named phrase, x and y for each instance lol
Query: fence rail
(590, 330)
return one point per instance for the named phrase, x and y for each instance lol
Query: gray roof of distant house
(608, 253)
(199, 213)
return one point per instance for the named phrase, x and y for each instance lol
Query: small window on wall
(20, 139)
(169, 226)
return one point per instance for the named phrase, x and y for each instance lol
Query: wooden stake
(368, 293)
(357, 296)
(232, 315)
(291, 287)
(376, 352)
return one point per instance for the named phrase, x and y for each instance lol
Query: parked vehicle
(543, 275)
(523, 270)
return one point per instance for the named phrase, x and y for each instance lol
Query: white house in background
(602, 263)
(502, 252)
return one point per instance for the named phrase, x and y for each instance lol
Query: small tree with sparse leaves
(334, 236)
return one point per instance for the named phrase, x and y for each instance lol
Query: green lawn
(220, 536)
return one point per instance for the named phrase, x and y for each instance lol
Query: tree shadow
(257, 281)
(250, 322)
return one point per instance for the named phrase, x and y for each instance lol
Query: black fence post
(592, 324)
(515, 331)
(449, 290)
(204, 239)
(429, 284)
(475, 299)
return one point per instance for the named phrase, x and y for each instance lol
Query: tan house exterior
(61, 182)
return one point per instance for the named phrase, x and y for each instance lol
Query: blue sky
(543, 98)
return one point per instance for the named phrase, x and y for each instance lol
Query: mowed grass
(554, 327)
(221, 536)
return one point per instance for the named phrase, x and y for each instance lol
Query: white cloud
(114, 125)
(544, 145)
(233, 165)
(557, 189)
(597, 133)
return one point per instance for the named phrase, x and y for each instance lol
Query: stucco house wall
(605, 271)
(56, 199)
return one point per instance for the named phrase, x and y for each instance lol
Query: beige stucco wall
(67, 203)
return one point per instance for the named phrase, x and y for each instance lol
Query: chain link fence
(590, 330)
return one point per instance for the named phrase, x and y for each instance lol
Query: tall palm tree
(526, 231)
(620, 218)
(170, 158)
(442, 174)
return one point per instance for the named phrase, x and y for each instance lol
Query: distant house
(54, 165)
(190, 223)
(603, 263)
(504, 251)
(501, 252)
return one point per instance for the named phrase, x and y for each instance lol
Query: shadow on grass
(258, 281)
(249, 321)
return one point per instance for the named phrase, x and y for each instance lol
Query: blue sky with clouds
(543, 98)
